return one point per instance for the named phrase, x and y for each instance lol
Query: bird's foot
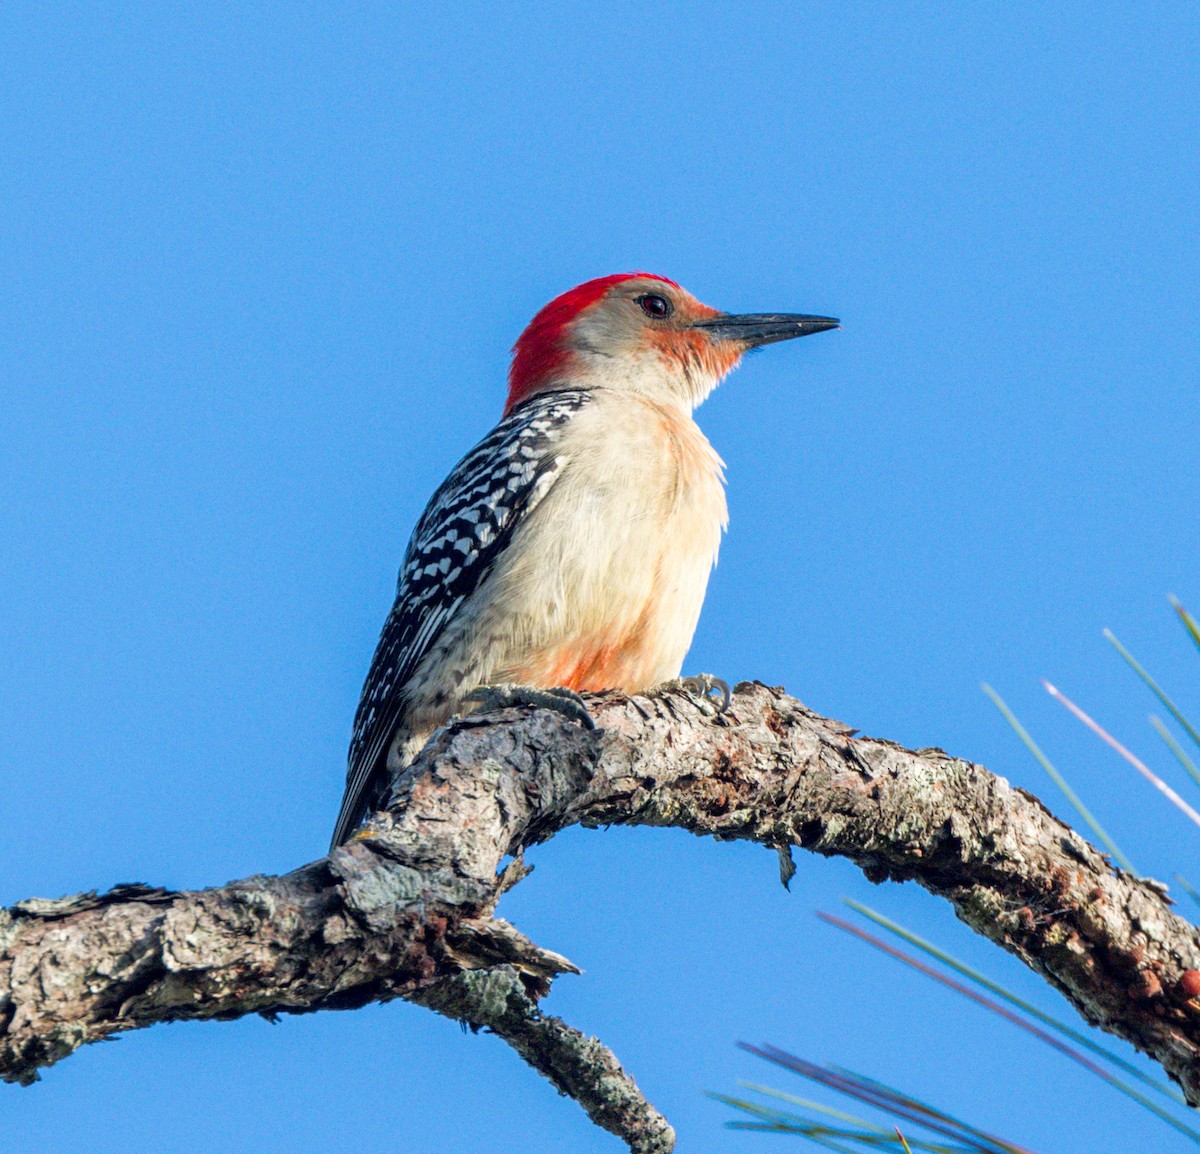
(559, 698)
(703, 686)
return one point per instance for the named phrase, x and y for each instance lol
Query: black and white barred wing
(465, 528)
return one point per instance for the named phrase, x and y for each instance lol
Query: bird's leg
(703, 685)
(559, 698)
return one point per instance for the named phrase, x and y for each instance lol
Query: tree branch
(406, 910)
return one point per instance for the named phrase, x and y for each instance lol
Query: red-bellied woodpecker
(571, 548)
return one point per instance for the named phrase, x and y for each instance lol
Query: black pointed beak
(754, 329)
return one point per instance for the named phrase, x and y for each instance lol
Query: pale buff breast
(606, 587)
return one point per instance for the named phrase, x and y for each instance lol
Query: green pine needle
(1153, 686)
(1007, 995)
(1189, 622)
(1061, 782)
(1176, 749)
(1188, 888)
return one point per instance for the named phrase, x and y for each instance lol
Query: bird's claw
(559, 698)
(703, 685)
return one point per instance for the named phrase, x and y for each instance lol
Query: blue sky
(261, 273)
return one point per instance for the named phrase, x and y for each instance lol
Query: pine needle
(1016, 1020)
(1000, 991)
(1060, 781)
(1188, 888)
(1137, 764)
(1153, 686)
(884, 1097)
(1189, 622)
(1176, 748)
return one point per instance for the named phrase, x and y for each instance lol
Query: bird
(569, 551)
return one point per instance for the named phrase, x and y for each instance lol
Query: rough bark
(406, 910)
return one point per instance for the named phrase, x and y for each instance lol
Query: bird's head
(642, 333)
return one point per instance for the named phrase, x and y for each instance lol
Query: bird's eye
(655, 306)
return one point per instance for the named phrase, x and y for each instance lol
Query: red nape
(538, 351)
